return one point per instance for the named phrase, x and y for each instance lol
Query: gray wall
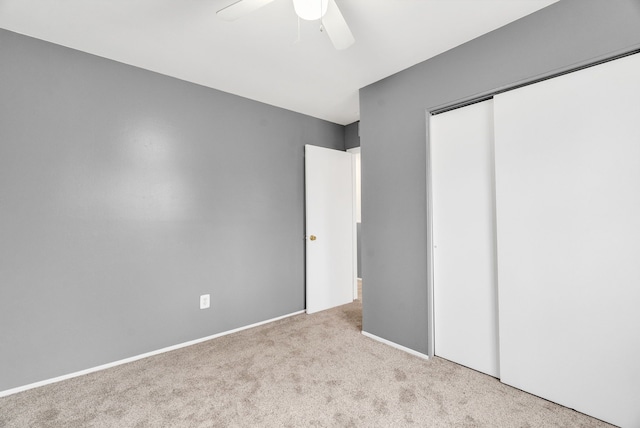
(351, 136)
(393, 140)
(124, 195)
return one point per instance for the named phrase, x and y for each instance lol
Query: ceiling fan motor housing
(311, 10)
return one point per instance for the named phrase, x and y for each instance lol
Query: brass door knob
(312, 237)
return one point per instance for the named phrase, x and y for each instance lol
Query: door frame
(355, 151)
(431, 328)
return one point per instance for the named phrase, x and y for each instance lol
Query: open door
(330, 231)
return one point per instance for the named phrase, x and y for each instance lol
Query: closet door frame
(612, 410)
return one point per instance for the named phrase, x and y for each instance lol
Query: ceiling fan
(311, 10)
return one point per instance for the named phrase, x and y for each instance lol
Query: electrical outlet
(205, 301)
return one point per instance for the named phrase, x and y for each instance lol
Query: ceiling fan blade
(336, 27)
(241, 8)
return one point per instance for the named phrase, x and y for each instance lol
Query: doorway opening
(357, 201)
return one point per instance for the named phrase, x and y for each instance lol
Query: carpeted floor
(308, 370)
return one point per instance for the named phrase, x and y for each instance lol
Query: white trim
(139, 357)
(354, 151)
(354, 223)
(431, 331)
(395, 345)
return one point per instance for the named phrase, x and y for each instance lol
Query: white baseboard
(138, 357)
(395, 345)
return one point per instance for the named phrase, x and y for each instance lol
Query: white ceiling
(257, 56)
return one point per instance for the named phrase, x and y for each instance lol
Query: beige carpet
(308, 370)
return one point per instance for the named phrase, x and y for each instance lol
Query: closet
(536, 226)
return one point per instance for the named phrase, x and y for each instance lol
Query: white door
(464, 236)
(567, 186)
(329, 228)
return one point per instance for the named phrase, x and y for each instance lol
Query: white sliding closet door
(464, 277)
(568, 212)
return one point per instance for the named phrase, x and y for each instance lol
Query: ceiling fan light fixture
(310, 10)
